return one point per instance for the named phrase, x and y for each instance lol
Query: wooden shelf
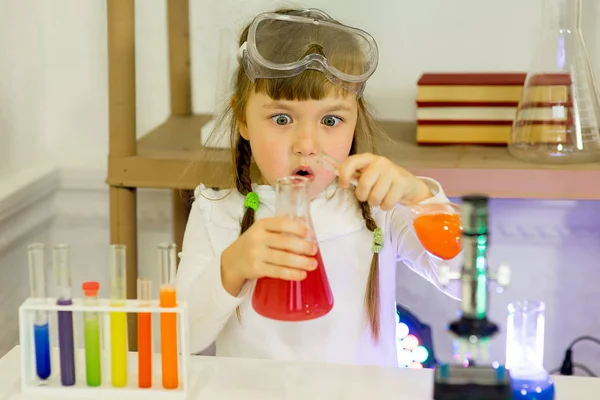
(170, 156)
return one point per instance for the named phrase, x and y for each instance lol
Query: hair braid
(243, 183)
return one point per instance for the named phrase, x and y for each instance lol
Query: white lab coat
(343, 335)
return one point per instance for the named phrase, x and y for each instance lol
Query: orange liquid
(294, 300)
(168, 340)
(144, 350)
(440, 234)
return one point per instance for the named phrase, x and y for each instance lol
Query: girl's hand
(271, 247)
(381, 182)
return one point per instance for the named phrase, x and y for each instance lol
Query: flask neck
(292, 198)
(564, 15)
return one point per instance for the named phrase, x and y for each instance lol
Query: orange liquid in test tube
(440, 234)
(168, 321)
(144, 336)
(168, 339)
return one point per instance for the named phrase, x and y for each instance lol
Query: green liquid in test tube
(91, 332)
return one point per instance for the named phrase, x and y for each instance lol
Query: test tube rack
(52, 387)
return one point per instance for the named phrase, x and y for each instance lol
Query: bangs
(308, 85)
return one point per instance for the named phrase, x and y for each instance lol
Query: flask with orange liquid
(437, 226)
(294, 300)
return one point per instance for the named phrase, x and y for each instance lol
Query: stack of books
(467, 108)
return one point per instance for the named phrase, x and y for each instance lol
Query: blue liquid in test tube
(37, 288)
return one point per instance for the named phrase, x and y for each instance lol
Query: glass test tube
(525, 337)
(168, 321)
(37, 287)
(62, 271)
(91, 332)
(118, 320)
(144, 292)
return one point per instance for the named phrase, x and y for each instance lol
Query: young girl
(298, 93)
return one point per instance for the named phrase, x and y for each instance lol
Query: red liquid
(294, 300)
(440, 234)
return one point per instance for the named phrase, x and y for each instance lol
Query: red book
(472, 79)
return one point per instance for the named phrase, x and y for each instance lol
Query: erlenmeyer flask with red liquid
(303, 300)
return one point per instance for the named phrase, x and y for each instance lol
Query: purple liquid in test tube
(66, 345)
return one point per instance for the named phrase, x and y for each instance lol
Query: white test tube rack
(52, 387)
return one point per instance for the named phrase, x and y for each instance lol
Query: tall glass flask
(302, 300)
(559, 113)
(525, 351)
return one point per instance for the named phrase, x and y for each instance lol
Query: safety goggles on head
(284, 45)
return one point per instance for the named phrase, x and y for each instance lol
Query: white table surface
(247, 379)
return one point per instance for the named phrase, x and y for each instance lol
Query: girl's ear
(241, 124)
(243, 129)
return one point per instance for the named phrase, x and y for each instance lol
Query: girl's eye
(330, 120)
(281, 119)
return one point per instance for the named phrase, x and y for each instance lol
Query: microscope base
(455, 382)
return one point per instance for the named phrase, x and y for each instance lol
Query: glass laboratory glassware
(525, 351)
(91, 333)
(118, 320)
(144, 293)
(294, 300)
(168, 321)
(558, 116)
(37, 287)
(62, 271)
(437, 226)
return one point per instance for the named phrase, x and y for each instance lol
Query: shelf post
(178, 20)
(122, 137)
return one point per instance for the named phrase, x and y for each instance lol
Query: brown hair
(310, 84)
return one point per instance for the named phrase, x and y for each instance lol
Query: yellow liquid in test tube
(118, 348)
(118, 320)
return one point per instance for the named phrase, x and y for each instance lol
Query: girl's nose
(305, 143)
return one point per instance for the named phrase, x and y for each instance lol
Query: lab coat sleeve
(199, 284)
(409, 249)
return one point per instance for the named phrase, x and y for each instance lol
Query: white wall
(53, 64)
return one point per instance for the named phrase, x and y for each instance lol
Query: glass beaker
(302, 300)
(558, 117)
(438, 228)
(525, 351)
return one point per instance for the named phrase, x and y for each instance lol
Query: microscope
(470, 377)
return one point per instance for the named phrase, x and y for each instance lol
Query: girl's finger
(380, 190)
(394, 196)
(367, 181)
(290, 260)
(351, 165)
(290, 243)
(279, 272)
(285, 225)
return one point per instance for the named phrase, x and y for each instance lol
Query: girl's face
(287, 136)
